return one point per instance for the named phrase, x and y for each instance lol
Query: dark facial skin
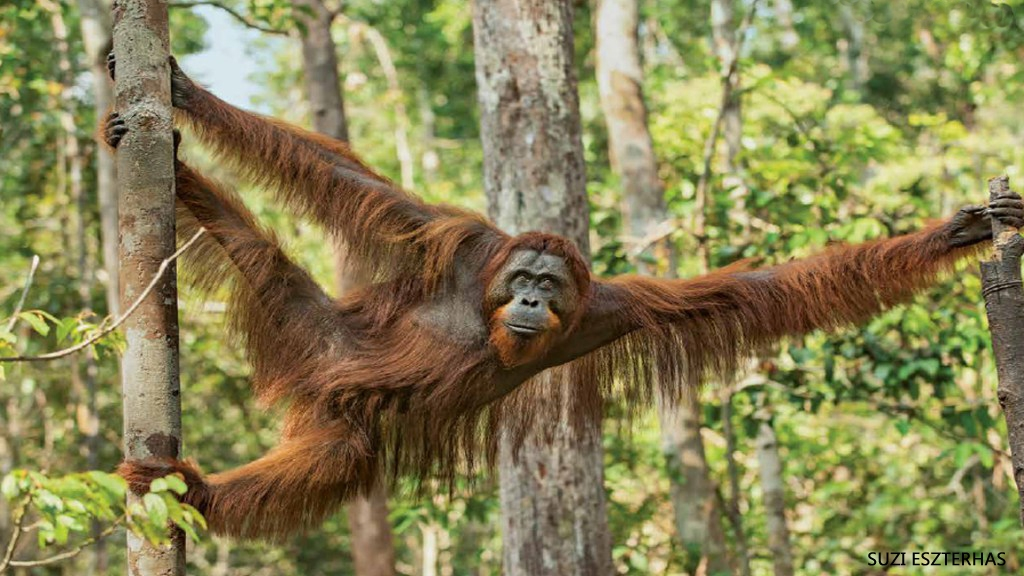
(530, 288)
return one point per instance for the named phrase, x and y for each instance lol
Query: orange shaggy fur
(375, 389)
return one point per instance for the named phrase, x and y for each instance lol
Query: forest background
(849, 120)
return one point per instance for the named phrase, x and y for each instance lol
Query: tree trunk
(852, 48)
(620, 82)
(774, 496)
(372, 548)
(94, 21)
(150, 379)
(697, 513)
(723, 29)
(1004, 303)
(83, 365)
(552, 495)
(96, 36)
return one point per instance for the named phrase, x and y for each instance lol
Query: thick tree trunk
(774, 497)
(1004, 302)
(552, 495)
(372, 548)
(150, 379)
(620, 81)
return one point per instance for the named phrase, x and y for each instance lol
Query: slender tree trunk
(1004, 302)
(372, 548)
(723, 29)
(429, 532)
(620, 81)
(726, 46)
(697, 514)
(429, 159)
(94, 21)
(83, 365)
(852, 48)
(396, 99)
(784, 16)
(150, 379)
(774, 492)
(320, 64)
(732, 504)
(96, 36)
(552, 495)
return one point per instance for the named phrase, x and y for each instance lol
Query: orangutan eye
(520, 280)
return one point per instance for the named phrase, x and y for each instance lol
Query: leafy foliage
(890, 435)
(61, 506)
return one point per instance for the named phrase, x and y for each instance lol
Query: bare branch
(247, 21)
(69, 553)
(24, 293)
(729, 81)
(387, 65)
(120, 319)
(670, 226)
(16, 532)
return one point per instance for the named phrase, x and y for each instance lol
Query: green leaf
(9, 487)
(158, 485)
(47, 501)
(985, 456)
(36, 321)
(64, 327)
(197, 518)
(156, 508)
(176, 485)
(115, 486)
(903, 427)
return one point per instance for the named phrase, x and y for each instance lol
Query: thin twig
(120, 319)
(16, 532)
(732, 504)
(665, 229)
(72, 552)
(387, 66)
(245, 20)
(729, 82)
(24, 293)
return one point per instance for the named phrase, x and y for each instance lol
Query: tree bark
(552, 495)
(1004, 303)
(620, 84)
(150, 379)
(774, 497)
(372, 548)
